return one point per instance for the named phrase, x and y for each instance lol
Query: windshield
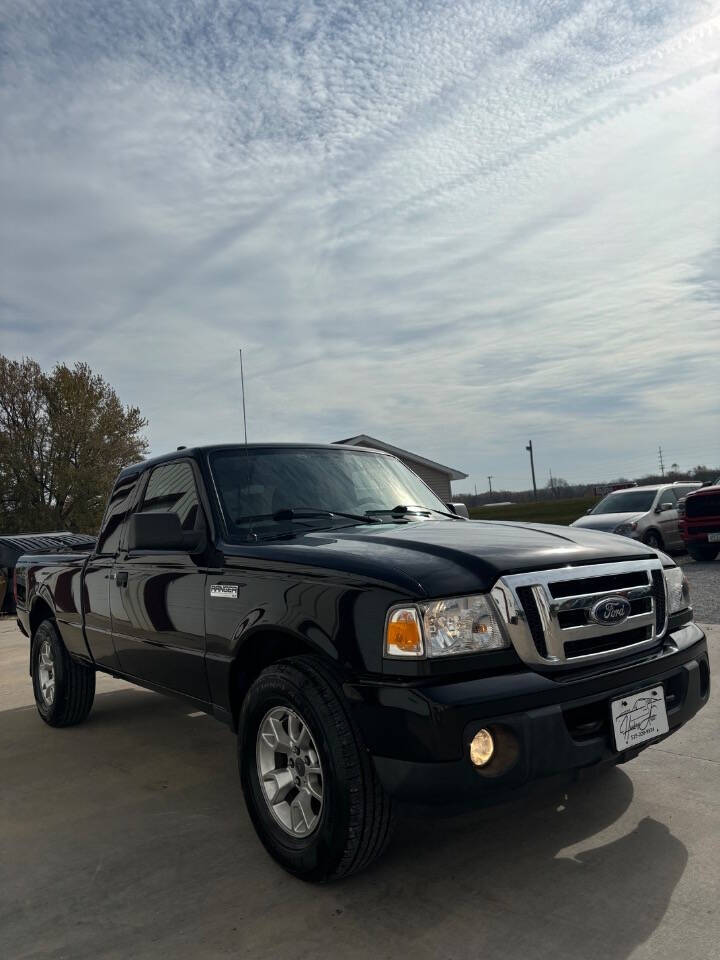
(254, 484)
(627, 501)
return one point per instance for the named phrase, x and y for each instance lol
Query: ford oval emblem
(610, 610)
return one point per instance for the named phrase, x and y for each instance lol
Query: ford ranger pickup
(369, 646)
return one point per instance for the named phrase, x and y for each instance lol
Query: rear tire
(653, 539)
(64, 690)
(352, 816)
(703, 551)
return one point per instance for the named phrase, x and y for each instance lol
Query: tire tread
(78, 682)
(371, 813)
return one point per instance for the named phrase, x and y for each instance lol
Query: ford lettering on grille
(610, 610)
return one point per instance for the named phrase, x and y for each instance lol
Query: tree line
(558, 488)
(64, 436)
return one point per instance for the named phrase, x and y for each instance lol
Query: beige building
(437, 476)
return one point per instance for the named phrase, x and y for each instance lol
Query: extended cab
(367, 643)
(700, 522)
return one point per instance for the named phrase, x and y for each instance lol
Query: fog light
(482, 748)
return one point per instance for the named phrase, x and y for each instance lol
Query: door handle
(121, 578)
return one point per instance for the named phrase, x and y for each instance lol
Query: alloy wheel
(289, 771)
(46, 673)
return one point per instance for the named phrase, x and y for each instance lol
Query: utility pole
(552, 483)
(490, 480)
(529, 449)
(660, 459)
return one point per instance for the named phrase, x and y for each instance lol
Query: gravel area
(704, 579)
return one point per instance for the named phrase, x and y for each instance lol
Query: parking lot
(128, 837)
(704, 581)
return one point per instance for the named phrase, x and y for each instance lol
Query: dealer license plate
(714, 537)
(639, 717)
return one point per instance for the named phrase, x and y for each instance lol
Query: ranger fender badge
(227, 590)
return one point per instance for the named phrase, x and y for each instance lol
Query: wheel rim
(289, 771)
(46, 673)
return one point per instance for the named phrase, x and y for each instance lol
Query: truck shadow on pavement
(128, 836)
(546, 875)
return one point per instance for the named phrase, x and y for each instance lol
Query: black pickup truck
(368, 644)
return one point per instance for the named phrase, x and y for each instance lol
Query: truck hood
(440, 557)
(606, 521)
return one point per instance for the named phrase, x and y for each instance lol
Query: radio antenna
(251, 535)
(242, 386)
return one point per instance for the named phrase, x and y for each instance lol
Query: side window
(171, 489)
(117, 510)
(668, 496)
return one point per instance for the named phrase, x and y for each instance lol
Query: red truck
(699, 516)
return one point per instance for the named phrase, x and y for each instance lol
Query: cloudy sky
(454, 225)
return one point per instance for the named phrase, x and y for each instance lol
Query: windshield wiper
(412, 508)
(306, 513)
(302, 513)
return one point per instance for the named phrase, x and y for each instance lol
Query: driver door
(157, 597)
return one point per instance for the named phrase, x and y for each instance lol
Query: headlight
(626, 529)
(443, 628)
(678, 589)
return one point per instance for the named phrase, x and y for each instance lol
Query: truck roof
(197, 452)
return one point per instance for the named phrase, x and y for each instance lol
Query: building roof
(363, 440)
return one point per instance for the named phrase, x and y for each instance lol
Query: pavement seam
(689, 756)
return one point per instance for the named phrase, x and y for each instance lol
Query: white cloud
(452, 225)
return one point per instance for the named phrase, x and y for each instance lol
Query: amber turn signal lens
(482, 747)
(404, 637)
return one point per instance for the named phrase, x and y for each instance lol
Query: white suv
(644, 513)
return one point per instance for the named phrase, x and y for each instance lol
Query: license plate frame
(714, 538)
(639, 717)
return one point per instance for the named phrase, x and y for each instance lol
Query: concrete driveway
(128, 838)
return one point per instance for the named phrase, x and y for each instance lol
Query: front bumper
(419, 736)
(700, 533)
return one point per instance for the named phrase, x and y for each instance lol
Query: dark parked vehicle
(367, 643)
(700, 522)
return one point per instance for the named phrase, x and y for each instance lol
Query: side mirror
(161, 531)
(665, 506)
(589, 510)
(459, 508)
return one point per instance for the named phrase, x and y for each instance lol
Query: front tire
(703, 551)
(653, 539)
(64, 690)
(326, 816)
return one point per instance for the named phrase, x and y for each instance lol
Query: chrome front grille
(547, 613)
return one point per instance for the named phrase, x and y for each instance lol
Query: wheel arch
(40, 611)
(265, 647)
(657, 533)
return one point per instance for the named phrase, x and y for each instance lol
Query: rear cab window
(118, 508)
